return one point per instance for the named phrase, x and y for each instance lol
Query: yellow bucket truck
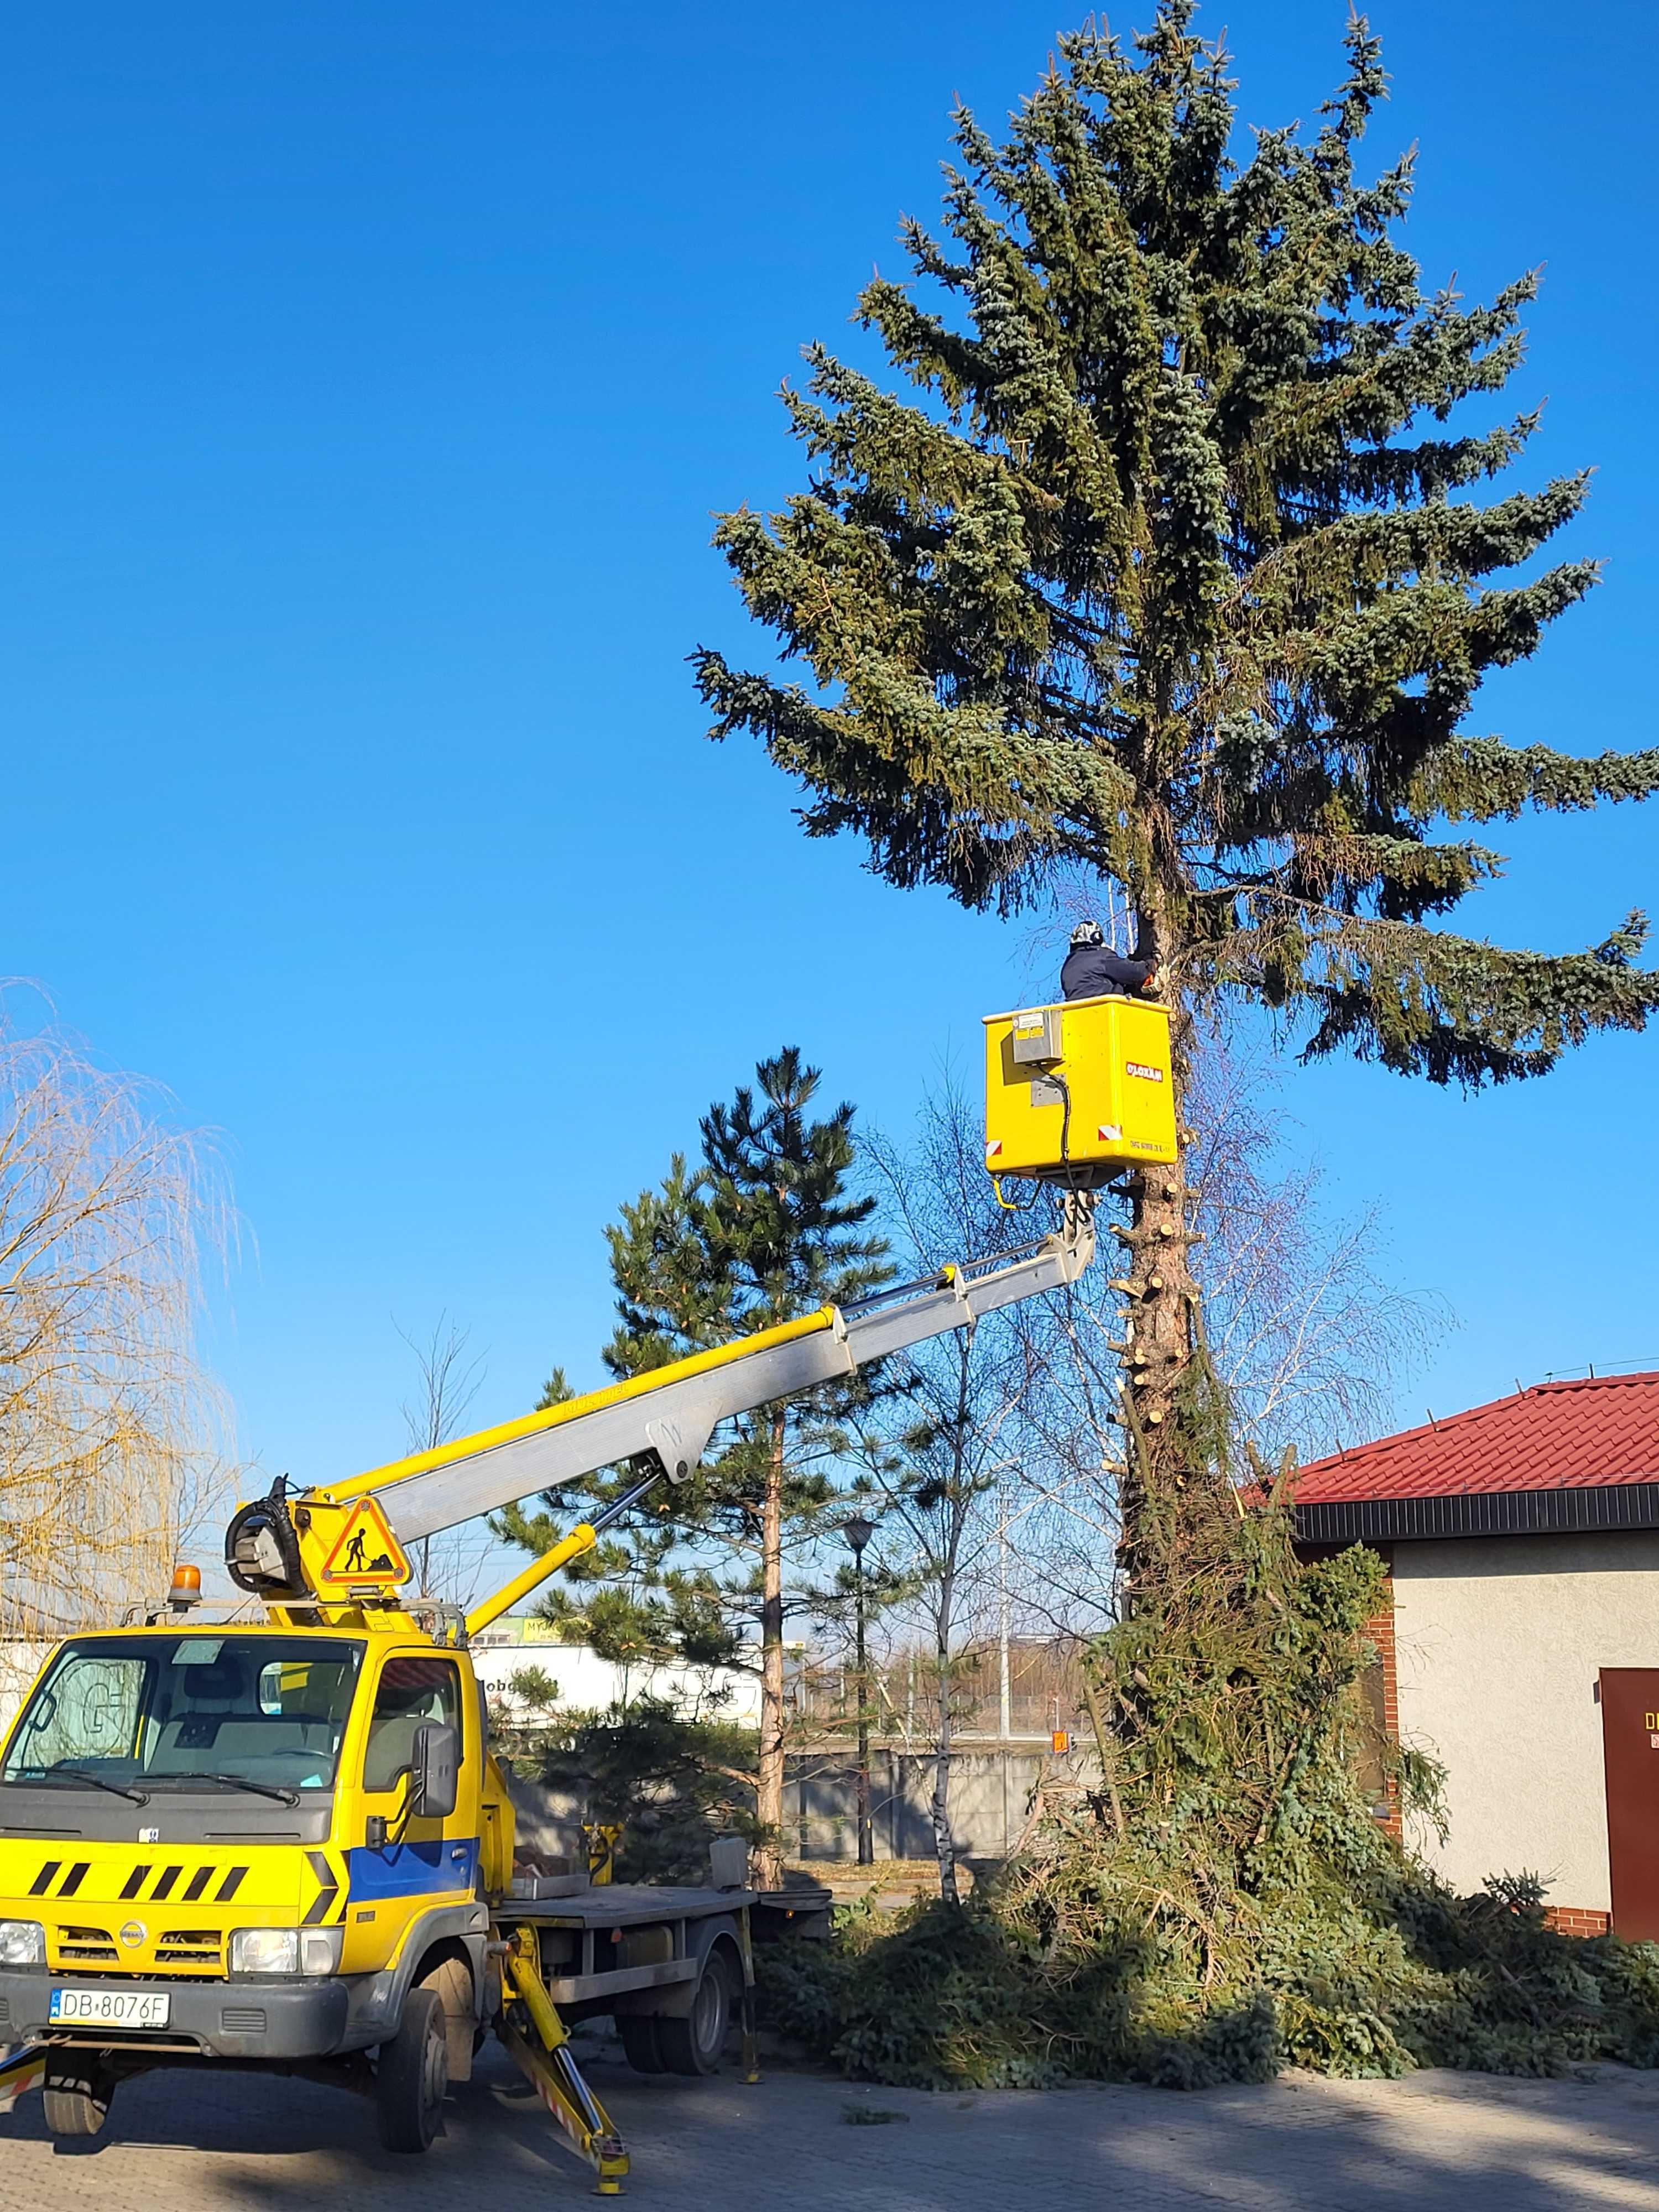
(284, 1844)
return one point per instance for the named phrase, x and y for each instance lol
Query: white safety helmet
(1087, 933)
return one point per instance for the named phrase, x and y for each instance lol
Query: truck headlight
(285, 1950)
(264, 1951)
(23, 1943)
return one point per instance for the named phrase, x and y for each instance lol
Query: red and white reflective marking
(23, 2073)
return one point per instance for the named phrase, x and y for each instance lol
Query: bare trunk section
(944, 1847)
(1162, 1332)
(1160, 1338)
(768, 1794)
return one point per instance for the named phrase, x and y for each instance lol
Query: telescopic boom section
(300, 1549)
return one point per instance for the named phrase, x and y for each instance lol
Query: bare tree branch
(449, 1381)
(113, 1440)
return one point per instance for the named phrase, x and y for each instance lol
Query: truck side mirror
(434, 1771)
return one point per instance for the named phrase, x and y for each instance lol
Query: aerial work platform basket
(1075, 1093)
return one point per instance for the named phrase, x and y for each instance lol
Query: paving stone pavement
(1436, 2143)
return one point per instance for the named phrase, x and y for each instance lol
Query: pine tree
(765, 1229)
(1174, 575)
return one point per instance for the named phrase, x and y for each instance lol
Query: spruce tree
(1173, 573)
(766, 1228)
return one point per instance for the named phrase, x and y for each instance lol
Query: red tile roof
(1556, 1436)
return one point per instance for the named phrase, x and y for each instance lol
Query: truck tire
(76, 2093)
(451, 1981)
(638, 2031)
(411, 2076)
(694, 2044)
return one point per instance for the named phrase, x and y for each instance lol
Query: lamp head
(186, 1590)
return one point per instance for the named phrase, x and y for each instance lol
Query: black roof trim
(1483, 1513)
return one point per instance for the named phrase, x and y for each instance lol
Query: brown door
(1630, 1745)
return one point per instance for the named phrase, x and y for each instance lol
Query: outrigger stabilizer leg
(750, 2046)
(547, 2065)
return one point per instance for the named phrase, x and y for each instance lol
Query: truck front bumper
(292, 2017)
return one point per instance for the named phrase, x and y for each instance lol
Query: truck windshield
(158, 1710)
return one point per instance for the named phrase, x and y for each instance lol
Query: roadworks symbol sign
(366, 1551)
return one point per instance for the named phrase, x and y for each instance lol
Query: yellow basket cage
(1076, 1092)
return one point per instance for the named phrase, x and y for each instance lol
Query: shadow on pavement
(1463, 2143)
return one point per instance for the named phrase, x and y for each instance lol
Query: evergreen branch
(1425, 1002)
(1404, 878)
(968, 769)
(1359, 554)
(1434, 466)
(1482, 779)
(1418, 629)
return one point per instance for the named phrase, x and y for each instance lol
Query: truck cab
(246, 1842)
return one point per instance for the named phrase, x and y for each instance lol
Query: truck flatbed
(623, 1905)
(599, 1918)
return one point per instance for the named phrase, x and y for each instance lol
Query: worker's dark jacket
(1093, 970)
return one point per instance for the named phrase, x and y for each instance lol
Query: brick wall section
(1379, 1631)
(1570, 1920)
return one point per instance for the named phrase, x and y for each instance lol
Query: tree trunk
(1162, 1332)
(958, 1506)
(945, 1848)
(768, 1799)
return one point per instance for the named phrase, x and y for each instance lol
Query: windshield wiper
(236, 1782)
(97, 1781)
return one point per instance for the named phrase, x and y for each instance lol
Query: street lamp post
(858, 1532)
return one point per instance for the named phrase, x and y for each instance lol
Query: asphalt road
(1437, 2143)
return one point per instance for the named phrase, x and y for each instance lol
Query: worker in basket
(1093, 970)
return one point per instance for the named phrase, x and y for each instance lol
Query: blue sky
(370, 375)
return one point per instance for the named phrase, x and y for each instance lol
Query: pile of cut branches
(1227, 1902)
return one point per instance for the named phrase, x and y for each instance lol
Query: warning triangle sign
(366, 1551)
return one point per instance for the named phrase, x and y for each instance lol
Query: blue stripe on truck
(448, 1862)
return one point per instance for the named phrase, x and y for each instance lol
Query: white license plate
(112, 2008)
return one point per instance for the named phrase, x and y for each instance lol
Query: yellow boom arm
(345, 1542)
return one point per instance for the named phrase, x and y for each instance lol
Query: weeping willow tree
(108, 1430)
(1157, 561)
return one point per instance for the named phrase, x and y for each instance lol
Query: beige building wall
(1499, 1640)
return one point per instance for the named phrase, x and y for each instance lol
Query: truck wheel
(452, 1984)
(76, 2093)
(412, 2075)
(693, 2045)
(638, 2031)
